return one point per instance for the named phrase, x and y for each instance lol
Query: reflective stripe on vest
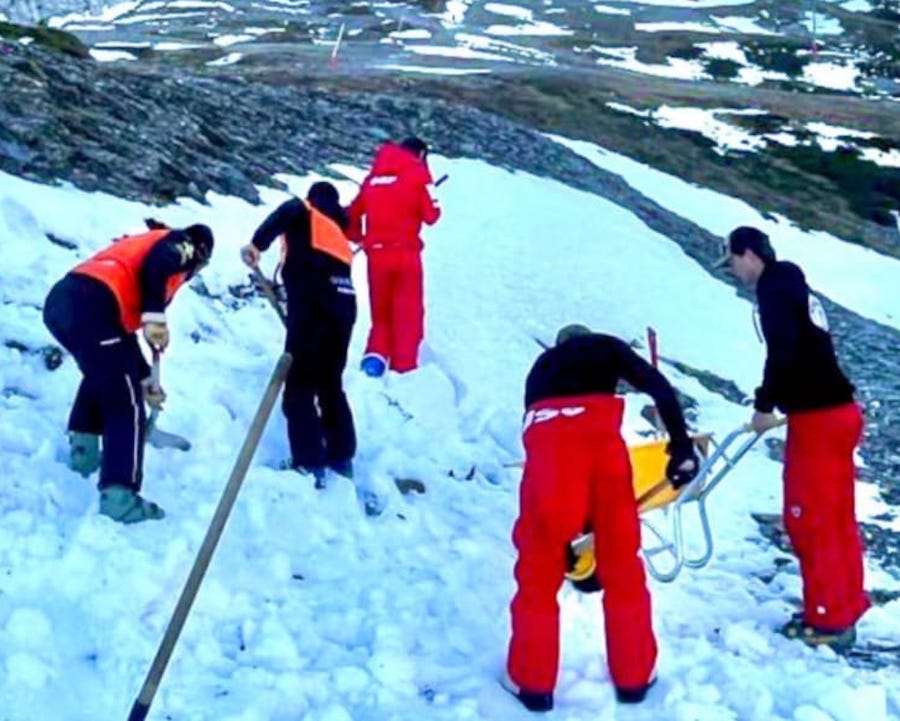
(119, 268)
(325, 236)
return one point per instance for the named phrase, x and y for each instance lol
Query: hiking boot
(343, 468)
(373, 366)
(532, 700)
(839, 640)
(84, 452)
(634, 695)
(317, 472)
(125, 505)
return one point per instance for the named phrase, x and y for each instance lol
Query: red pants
(398, 314)
(820, 515)
(577, 475)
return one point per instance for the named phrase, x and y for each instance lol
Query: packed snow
(311, 609)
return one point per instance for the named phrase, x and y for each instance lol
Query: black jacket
(801, 372)
(594, 364)
(304, 264)
(172, 255)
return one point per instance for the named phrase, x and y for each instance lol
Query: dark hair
(745, 238)
(202, 238)
(416, 145)
(325, 198)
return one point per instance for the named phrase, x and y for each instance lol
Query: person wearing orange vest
(94, 312)
(321, 311)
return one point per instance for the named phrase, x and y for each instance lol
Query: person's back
(394, 199)
(577, 477)
(392, 203)
(321, 311)
(803, 370)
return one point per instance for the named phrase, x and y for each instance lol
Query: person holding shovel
(578, 478)
(94, 312)
(321, 311)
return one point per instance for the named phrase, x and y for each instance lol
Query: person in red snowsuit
(802, 378)
(578, 477)
(394, 202)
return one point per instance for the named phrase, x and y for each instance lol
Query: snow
(312, 610)
(696, 4)
(675, 27)
(607, 10)
(513, 11)
(856, 277)
(626, 58)
(836, 76)
(743, 25)
(820, 24)
(108, 56)
(858, 6)
(544, 29)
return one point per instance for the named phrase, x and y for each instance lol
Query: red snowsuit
(395, 201)
(578, 475)
(820, 515)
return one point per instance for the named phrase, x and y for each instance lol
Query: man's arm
(174, 254)
(355, 214)
(428, 208)
(649, 380)
(781, 298)
(279, 220)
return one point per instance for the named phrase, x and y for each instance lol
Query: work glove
(153, 397)
(683, 466)
(156, 334)
(250, 255)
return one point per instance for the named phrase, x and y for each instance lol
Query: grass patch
(776, 57)
(54, 39)
(871, 191)
(722, 69)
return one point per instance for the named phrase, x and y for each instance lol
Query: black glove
(683, 466)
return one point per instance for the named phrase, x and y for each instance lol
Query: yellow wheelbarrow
(654, 493)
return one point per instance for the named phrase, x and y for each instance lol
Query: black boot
(532, 700)
(634, 695)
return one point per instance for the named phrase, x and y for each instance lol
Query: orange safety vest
(324, 235)
(119, 268)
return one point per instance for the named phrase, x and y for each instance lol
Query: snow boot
(839, 640)
(532, 700)
(343, 468)
(373, 365)
(317, 472)
(635, 695)
(125, 505)
(84, 452)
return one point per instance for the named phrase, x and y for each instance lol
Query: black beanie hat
(416, 145)
(202, 238)
(326, 199)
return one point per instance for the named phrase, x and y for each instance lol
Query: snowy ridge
(311, 610)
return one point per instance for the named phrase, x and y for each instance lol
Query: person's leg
(305, 334)
(630, 643)
(381, 281)
(337, 418)
(553, 511)
(113, 377)
(819, 514)
(408, 326)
